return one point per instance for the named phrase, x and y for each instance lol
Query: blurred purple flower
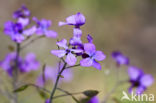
(94, 100)
(22, 16)
(77, 20)
(21, 12)
(24, 65)
(91, 56)
(139, 79)
(70, 58)
(16, 31)
(47, 101)
(120, 58)
(43, 28)
(30, 63)
(9, 63)
(50, 73)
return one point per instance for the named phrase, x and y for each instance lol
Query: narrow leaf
(90, 93)
(22, 88)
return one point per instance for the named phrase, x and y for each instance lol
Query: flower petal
(75, 41)
(120, 58)
(17, 38)
(99, 56)
(51, 34)
(58, 53)
(30, 31)
(80, 19)
(86, 62)
(62, 23)
(71, 59)
(134, 72)
(24, 21)
(140, 90)
(147, 80)
(71, 20)
(93, 100)
(62, 43)
(77, 32)
(89, 48)
(96, 65)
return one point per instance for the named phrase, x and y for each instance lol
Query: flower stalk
(15, 72)
(56, 83)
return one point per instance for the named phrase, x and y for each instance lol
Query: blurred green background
(125, 25)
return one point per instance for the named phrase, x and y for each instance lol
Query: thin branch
(43, 72)
(38, 87)
(68, 94)
(33, 40)
(63, 95)
(73, 66)
(56, 83)
(15, 73)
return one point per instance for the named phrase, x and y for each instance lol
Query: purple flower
(22, 16)
(139, 79)
(70, 57)
(77, 20)
(43, 28)
(8, 63)
(50, 73)
(21, 12)
(30, 63)
(120, 58)
(94, 100)
(91, 56)
(47, 101)
(16, 31)
(24, 65)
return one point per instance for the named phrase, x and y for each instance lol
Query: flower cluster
(137, 77)
(21, 28)
(27, 64)
(76, 48)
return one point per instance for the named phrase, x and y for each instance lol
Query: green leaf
(22, 88)
(90, 93)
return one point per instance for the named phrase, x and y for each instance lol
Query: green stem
(31, 41)
(56, 83)
(73, 66)
(63, 95)
(70, 94)
(113, 90)
(15, 72)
